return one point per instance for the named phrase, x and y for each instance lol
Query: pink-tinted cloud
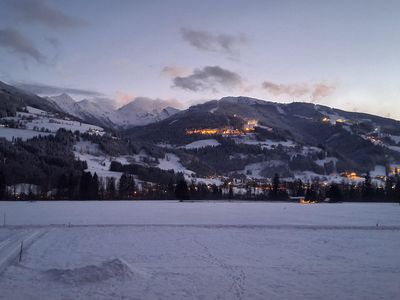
(173, 71)
(123, 98)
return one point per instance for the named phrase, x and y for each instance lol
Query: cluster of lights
(326, 120)
(303, 201)
(351, 175)
(249, 127)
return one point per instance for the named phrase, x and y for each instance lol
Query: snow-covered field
(209, 250)
(24, 134)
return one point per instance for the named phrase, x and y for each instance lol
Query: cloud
(43, 89)
(149, 104)
(209, 78)
(53, 41)
(18, 43)
(173, 71)
(123, 98)
(322, 90)
(41, 12)
(316, 91)
(156, 103)
(207, 41)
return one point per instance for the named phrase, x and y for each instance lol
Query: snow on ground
(23, 134)
(53, 124)
(307, 150)
(172, 162)
(254, 170)
(249, 139)
(35, 111)
(395, 138)
(96, 160)
(378, 171)
(326, 160)
(36, 121)
(394, 148)
(198, 213)
(280, 110)
(166, 145)
(202, 251)
(202, 144)
(87, 147)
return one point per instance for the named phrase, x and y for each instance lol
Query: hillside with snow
(141, 111)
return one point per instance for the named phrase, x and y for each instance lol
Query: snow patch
(23, 134)
(202, 144)
(378, 171)
(326, 160)
(395, 138)
(172, 162)
(115, 268)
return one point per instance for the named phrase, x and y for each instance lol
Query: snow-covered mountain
(143, 111)
(13, 99)
(259, 138)
(101, 111)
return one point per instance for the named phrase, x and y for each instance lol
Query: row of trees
(91, 187)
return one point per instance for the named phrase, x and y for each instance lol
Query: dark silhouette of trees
(367, 189)
(89, 186)
(334, 193)
(126, 186)
(111, 190)
(181, 190)
(3, 186)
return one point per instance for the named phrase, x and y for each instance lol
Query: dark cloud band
(39, 11)
(207, 41)
(43, 89)
(209, 78)
(20, 44)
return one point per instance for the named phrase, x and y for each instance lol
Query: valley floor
(170, 250)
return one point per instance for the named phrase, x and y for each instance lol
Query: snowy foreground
(170, 250)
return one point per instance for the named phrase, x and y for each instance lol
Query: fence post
(20, 251)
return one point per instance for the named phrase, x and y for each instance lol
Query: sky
(343, 54)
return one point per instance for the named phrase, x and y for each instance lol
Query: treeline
(91, 187)
(366, 191)
(41, 161)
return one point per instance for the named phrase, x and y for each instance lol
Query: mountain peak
(242, 100)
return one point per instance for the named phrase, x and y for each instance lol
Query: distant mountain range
(101, 111)
(234, 136)
(97, 111)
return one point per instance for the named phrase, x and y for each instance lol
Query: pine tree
(181, 190)
(273, 195)
(367, 191)
(94, 191)
(110, 188)
(334, 193)
(2, 185)
(230, 196)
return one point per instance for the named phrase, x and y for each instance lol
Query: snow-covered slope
(37, 122)
(141, 111)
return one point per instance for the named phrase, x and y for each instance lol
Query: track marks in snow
(10, 246)
(235, 273)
